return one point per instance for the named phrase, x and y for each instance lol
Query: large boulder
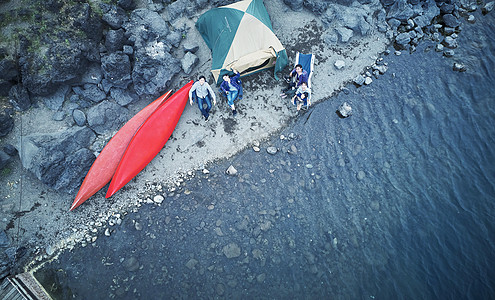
(58, 53)
(61, 159)
(8, 75)
(6, 123)
(400, 10)
(117, 69)
(154, 69)
(145, 26)
(19, 97)
(115, 40)
(106, 116)
(114, 16)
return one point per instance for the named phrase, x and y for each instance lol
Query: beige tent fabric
(253, 44)
(241, 5)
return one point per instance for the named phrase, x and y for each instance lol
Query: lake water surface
(395, 202)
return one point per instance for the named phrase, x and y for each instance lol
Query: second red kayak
(149, 139)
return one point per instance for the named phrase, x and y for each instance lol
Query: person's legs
(208, 106)
(201, 108)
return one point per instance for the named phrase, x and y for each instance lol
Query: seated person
(200, 92)
(296, 78)
(302, 96)
(231, 87)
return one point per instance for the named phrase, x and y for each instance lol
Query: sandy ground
(43, 221)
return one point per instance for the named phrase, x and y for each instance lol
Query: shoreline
(261, 115)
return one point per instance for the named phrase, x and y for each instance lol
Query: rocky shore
(72, 74)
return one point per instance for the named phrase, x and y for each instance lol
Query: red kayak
(106, 163)
(149, 139)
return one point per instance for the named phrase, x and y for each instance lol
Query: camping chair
(307, 62)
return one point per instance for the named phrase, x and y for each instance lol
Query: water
(395, 202)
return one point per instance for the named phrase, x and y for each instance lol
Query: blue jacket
(302, 78)
(224, 86)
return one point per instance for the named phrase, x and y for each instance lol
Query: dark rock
(61, 159)
(4, 159)
(295, 5)
(430, 10)
(92, 75)
(319, 7)
(79, 117)
(56, 100)
(6, 123)
(394, 23)
(127, 4)
(446, 8)
(115, 40)
(5, 87)
(10, 150)
(128, 50)
(114, 16)
(450, 20)
(8, 69)
(19, 97)
(117, 69)
(93, 93)
(448, 53)
(488, 7)
(146, 26)
(387, 2)
(190, 47)
(123, 97)
(345, 110)
(188, 62)
(106, 117)
(400, 10)
(179, 8)
(153, 70)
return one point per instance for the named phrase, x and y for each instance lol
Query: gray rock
(19, 97)
(106, 117)
(451, 21)
(471, 19)
(174, 38)
(394, 23)
(188, 62)
(458, 67)
(345, 110)
(117, 69)
(191, 264)
(123, 97)
(339, 64)
(231, 171)
(79, 117)
(403, 39)
(6, 123)
(115, 40)
(114, 16)
(361, 175)
(232, 250)
(271, 150)
(359, 80)
(128, 50)
(344, 34)
(448, 53)
(10, 150)
(450, 42)
(61, 159)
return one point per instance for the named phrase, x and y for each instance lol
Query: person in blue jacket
(231, 88)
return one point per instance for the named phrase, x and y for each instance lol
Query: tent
(240, 37)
